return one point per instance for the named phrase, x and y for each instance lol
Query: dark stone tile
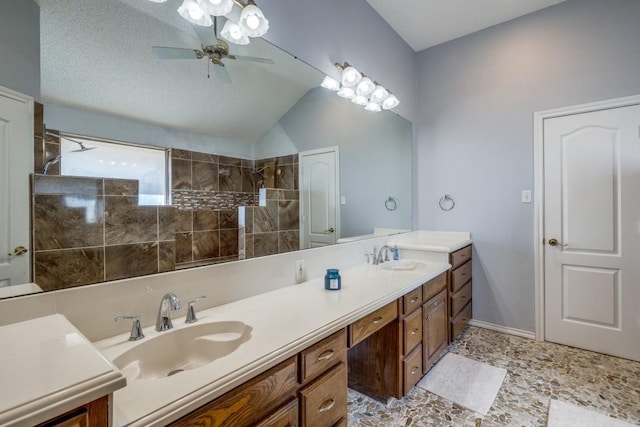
(269, 174)
(166, 223)
(229, 243)
(288, 215)
(272, 194)
(265, 219)
(261, 163)
(181, 174)
(166, 256)
(285, 177)
(127, 222)
(206, 244)
(205, 176)
(247, 163)
(230, 161)
(247, 180)
(230, 178)
(285, 160)
(229, 219)
(38, 119)
(68, 268)
(38, 154)
(206, 220)
(184, 247)
(124, 261)
(67, 221)
(52, 137)
(180, 154)
(288, 241)
(265, 244)
(291, 195)
(204, 157)
(248, 246)
(184, 221)
(121, 187)
(67, 185)
(248, 219)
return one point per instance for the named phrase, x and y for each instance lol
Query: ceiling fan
(212, 48)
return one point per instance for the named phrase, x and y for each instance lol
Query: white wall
(476, 98)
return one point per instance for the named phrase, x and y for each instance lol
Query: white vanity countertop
(283, 322)
(434, 241)
(48, 368)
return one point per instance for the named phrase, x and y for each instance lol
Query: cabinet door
(324, 402)
(435, 328)
(287, 416)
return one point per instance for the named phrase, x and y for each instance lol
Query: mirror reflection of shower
(55, 159)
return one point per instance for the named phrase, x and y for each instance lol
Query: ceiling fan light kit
(192, 11)
(234, 34)
(360, 89)
(217, 7)
(252, 20)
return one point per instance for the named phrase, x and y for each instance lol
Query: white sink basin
(403, 264)
(177, 350)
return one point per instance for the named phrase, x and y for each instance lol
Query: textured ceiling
(96, 54)
(426, 23)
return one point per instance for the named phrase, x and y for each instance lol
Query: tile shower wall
(89, 230)
(45, 147)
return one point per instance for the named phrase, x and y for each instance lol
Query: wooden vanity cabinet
(460, 291)
(92, 414)
(435, 327)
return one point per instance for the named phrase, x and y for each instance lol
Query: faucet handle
(136, 329)
(191, 312)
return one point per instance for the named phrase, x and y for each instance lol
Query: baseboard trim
(504, 329)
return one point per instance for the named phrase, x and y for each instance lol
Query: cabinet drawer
(361, 329)
(460, 321)
(412, 328)
(433, 286)
(460, 299)
(287, 416)
(412, 300)
(323, 355)
(460, 276)
(412, 368)
(324, 402)
(460, 256)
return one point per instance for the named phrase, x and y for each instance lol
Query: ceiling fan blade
(206, 35)
(174, 53)
(252, 59)
(222, 73)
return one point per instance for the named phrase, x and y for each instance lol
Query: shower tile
(230, 178)
(68, 268)
(67, 185)
(248, 246)
(248, 219)
(205, 220)
(288, 241)
(61, 222)
(265, 219)
(133, 260)
(184, 221)
(229, 219)
(230, 161)
(127, 222)
(247, 180)
(204, 157)
(121, 187)
(246, 163)
(288, 215)
(206, 244)
(38, 119)
(166, 256)
(265, 244)
(228, 243)
(291, 195)
(205, 176)
(285, 177)
(181, 174)
(38, 154)
(166, 223)
(180, 154)
(184, 247)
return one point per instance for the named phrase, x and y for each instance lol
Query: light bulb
(195, 12)
(192, 11)
(379, 94)
(373, 106)
(346, 92)
(252, 21)
(360, 100)
(350, 76)
(390, 102)
(330, 83)
(365, 87)
(217, 7)
(233, 33)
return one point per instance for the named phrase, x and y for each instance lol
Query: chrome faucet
(377, 259)
(168, 303)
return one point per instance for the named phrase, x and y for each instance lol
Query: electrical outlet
(301, 272)
(526, 196)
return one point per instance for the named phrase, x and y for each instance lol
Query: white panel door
(318, 196)
(16, 159)
(592, 231)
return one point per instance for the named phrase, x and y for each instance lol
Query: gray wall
(375, 156)
(476, 98)
(20, 46)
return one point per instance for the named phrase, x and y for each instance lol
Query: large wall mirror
(255, 121)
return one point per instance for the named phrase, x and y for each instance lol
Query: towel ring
(391, 204)
(446, 203)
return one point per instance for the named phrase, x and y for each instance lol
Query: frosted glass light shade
(365, 87)
(217, 7)
(253, 22)
(350, 77)
(360, 100)
(192, 11)
(373, 106)
(233, 33)
(157, 1)
(379, 94)
(330, 83)
(346, 92)
(390, 102)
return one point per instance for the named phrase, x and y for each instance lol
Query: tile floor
(536, 372)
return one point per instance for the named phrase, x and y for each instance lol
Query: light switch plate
(301, 273)
(526, 196)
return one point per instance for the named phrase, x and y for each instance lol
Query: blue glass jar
(332, 281)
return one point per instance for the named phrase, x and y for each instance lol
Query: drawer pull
(326, 405)
(463, 297)
(377, 320)
(415, 331)
(414, 300)
(464, 274)
(326, 355)
(414, 370)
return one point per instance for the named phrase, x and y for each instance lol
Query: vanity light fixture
(192, 11)
(360, 89)
(252, 20)
(217, 7)
(233, 33)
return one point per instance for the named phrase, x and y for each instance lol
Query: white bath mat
(563, 414)
(466, 382)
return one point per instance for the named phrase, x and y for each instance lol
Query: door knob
(330, 230)
(19, 250)
(554, 242)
